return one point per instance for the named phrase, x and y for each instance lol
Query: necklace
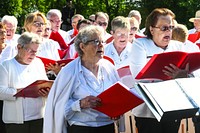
(94, 84)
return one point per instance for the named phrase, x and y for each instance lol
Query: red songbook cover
(47, 61)
(32, 89)
(109, 59)
(124, 71)
(118, 100)
(110, 39)
(194, 37)
(154, 67)
(126, 76)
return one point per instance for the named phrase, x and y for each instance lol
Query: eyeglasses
(134, 28)
(56, 21)
(121, 34)
(91, 20)
(39, 24)
(30, 51)
(96, 42)
(102, 23)
(164, 28)
(10, 30)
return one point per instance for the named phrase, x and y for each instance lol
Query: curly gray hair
(86, 34)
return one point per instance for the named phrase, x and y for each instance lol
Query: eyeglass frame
(95, 41)
(38, 24)
(55, 22)
(165, 28)
(102, 23)
(29, 50)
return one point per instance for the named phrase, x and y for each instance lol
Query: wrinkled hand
(56, 67)
(174, 72)
(44, 91)
(90, 102)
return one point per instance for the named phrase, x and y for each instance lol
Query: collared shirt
(120, 60)
(142, 49)
(90, 85)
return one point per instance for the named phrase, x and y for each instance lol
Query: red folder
(154, 67)
(126, 76)
(118, 100)
(110, 39)
(124, 71)
(194, 37)
(109, 59)
(47, 61)
(32, 89)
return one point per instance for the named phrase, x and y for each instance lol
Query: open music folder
(117, 100)
(154, 67)
(47, 61)
(171, 99)
(32, 89)
(126, 76)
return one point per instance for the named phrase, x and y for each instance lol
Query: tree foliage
(184, 9)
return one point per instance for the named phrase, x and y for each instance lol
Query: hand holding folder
(33, 89)
(118, 100)
(154, 67)
(47, 61)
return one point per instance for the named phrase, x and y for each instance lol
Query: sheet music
(192, 87)
(168, 95)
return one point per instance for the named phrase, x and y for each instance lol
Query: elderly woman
(21, 114)
(72, 97)
(158, 31)
(35, 22)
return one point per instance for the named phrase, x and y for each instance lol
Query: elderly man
(54, 16)
(11, 38)
(196, 22)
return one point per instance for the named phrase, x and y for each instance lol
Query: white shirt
(64, 35)
(10, 50)
(16, 76)
(142, 48)
(192, 31)
(55, 116)
(90, 85)
(48, 50)
(121, 60)
(68, 36)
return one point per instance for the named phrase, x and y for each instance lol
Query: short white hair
(10, 19)
(54, 12)
(134, 13)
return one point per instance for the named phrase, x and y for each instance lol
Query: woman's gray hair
(86, 34)
(28, 38)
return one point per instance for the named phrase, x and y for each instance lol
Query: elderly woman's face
(38, 26)
(93, 49)
(162, 31)
(121, 37)
(27, 53)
